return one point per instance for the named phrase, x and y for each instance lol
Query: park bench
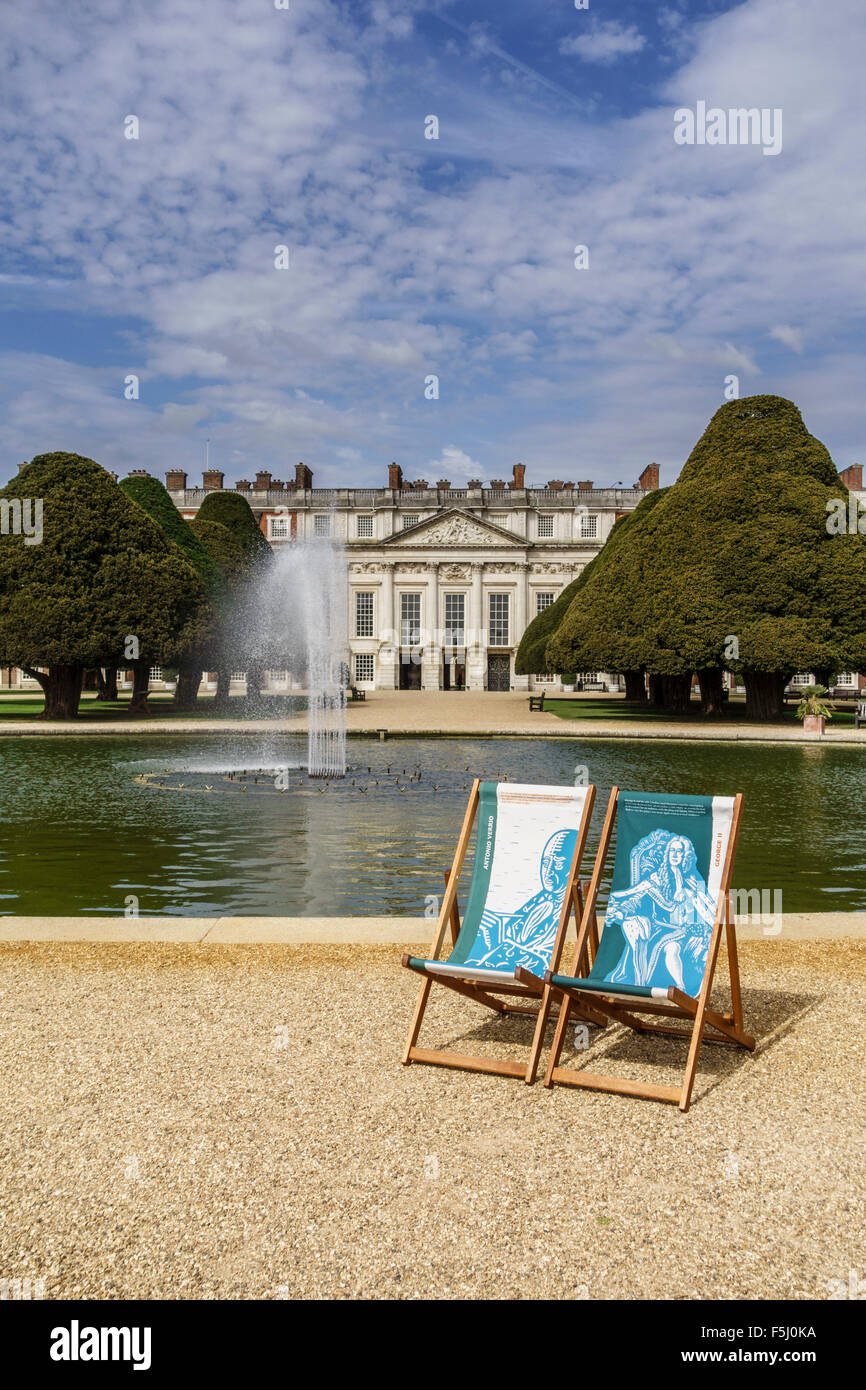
(860, 714)
(536, 702)
(356, 694)
(591, 685)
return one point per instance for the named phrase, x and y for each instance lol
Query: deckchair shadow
(667, 909)
(525, 884)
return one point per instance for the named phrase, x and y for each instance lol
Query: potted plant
(813, 709)
(568, 680)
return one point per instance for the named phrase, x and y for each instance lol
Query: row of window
(455, 617)
(280, 526)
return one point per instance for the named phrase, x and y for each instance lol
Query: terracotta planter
(813, 724)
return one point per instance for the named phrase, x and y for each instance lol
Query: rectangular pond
(90, 822)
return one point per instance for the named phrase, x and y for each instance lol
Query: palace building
(442, 581)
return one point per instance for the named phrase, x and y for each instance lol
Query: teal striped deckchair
(668, 904)
(528, 849)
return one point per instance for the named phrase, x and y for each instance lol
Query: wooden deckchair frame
(494, 995)
(703, 1024)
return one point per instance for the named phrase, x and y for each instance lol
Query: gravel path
(207, 1122)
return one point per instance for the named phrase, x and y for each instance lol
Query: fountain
(303, 610)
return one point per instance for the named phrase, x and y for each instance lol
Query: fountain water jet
(304, 615)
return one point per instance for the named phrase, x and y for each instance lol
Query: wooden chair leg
(417, 1017)
(538, 1039)
(734, 969)
(558, 1039)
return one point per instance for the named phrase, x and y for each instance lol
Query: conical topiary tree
(149, 494)
(233, 511)
(735, 566)
(534, 654)
(102, 574)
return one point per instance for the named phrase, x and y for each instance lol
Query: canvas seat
(668, 905)
(529, 845)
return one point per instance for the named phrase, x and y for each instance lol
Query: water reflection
(84, 828)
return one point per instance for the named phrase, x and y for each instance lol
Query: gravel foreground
(201, 1122)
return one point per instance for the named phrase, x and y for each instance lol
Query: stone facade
(442, 581)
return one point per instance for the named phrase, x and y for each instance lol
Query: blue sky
(412, 257)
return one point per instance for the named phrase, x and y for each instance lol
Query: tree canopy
(232, 510)
(150, 494)
(537, 650)
(103, 572)
(731, 566)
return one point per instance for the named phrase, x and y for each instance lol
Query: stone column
(519, 682)
(432, 659)
(389, 639)
(476, 655)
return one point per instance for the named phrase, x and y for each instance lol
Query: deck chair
(529, 845)
(667, 908)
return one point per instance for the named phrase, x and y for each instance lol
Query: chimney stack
(852, 477)
(263, 480)
(395, 477)
(517, 483)
(585, 486)
(212, 480)
(303, 477)
(649, 478)
(175, 480)
(138, 473)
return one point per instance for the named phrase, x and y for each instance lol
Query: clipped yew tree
(149, 494)
(595, 626)
(238, 574)
(735, 566)
(102, 573)
(242, 641)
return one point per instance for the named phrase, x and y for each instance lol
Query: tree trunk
(255, 680)
(824, 677)
(712, 690)
(140, 682)
(106, 683)
(62, 688)
(186, 690)
(656, 693)
(221, 695)
(635, 687)
(677, 693)
(765, 694)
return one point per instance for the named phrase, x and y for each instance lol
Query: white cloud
(455, 465)
(257, 131)
(730, 356)
(791, 337)
(604, 42)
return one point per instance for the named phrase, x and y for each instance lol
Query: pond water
(86, 823)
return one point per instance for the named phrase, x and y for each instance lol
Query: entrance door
(498, 671)
(410, 671)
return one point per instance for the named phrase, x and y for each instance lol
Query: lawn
(621, 710)
(161, 708)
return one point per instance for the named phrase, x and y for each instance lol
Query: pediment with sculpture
(452, 531)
